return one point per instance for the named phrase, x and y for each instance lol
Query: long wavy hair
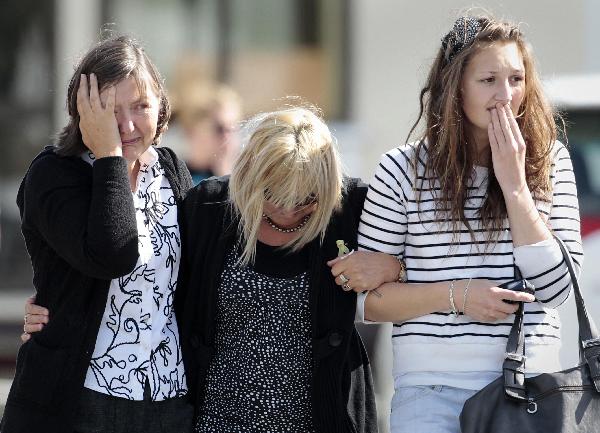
(446, 142)
(289, 156)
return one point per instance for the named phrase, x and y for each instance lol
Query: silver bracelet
(451, 296)
(465, 293)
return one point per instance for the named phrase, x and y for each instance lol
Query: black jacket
(80, 230)
(342, 392)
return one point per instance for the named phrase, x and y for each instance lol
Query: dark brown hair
(450, 152)
(113, 59)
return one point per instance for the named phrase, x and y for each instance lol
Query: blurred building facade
(361, 61)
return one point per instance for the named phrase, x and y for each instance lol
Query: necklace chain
(290, 230)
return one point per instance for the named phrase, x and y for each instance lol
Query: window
(583, 131)
(26, 80)
(265, 49)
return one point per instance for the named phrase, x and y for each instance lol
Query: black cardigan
(342, 391)
(80, 230)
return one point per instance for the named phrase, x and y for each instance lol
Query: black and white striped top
(393, 222)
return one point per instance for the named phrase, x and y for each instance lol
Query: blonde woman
(480, 192)
(271, 342)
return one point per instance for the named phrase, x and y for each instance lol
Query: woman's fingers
(29, 301)
(503, 295)
(511, 295)
(514, 127)
(507, 308)
(492, 137)
(343, 263)
(498, 132)
(95, 103)
(31, 328)
(83, 97)
(339, 281)
(111, 95)
(505, 126)
(487, 303)
(33, 309)
(332, 262)
(36, 319)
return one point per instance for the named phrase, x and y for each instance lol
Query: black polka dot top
(259, 379)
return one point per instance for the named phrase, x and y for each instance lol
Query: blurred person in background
(99, 213)
(209, 115)
(480, 193)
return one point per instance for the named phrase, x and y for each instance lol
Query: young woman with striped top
(480, 193)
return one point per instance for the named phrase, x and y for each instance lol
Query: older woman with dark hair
(272, 343)
(99, 213)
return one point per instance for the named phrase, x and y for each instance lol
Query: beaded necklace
(283, 230)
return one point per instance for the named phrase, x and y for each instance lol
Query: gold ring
(343, 278)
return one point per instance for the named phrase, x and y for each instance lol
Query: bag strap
(514, 362)
(589, 338)
(513, 368)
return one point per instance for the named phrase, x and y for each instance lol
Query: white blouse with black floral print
(138, 339)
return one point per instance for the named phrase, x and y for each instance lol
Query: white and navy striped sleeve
(383, 223)
(542, 263)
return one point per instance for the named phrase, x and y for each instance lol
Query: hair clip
(462, 35)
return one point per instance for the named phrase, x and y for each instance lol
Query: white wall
(77, 23)
(394, 42)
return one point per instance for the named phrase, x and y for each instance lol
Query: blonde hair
(289, 156)
(198, 101)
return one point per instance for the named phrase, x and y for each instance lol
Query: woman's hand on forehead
(97, 122)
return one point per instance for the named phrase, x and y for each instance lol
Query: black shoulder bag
(567, 401)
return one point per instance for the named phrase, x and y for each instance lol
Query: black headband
(462, 35)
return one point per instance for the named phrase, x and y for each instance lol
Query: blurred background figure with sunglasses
(208, 114)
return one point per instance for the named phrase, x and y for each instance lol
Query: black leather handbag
(567, 401)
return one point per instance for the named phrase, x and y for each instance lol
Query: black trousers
(102, 413)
